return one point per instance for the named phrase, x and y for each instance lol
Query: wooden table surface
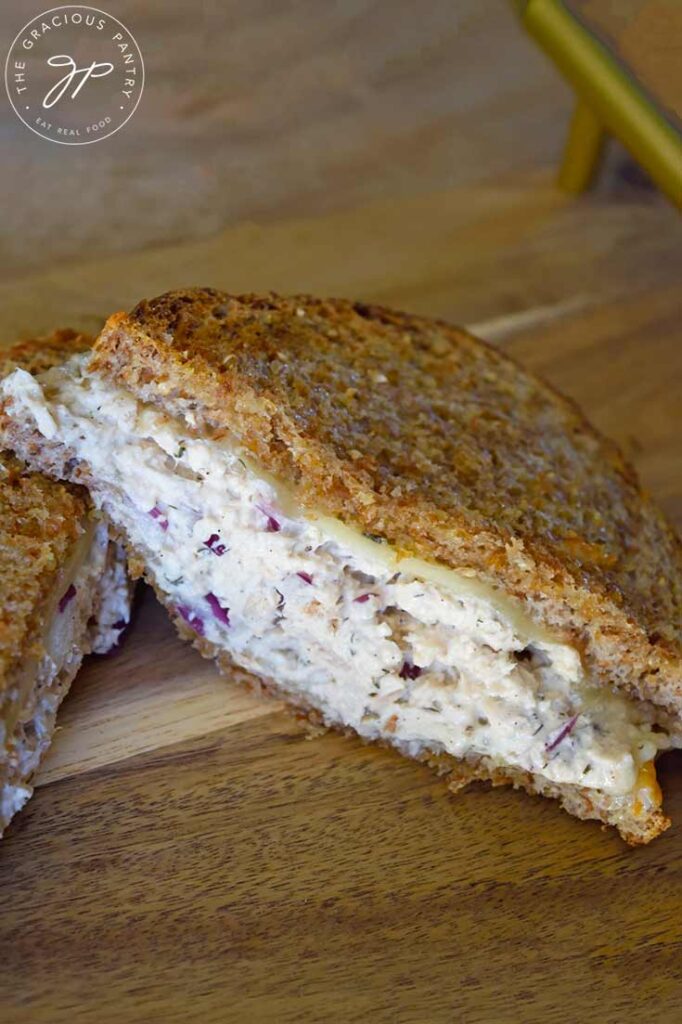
(193, 855)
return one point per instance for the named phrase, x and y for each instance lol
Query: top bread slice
(412, 430)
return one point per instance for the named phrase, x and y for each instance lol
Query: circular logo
(74, 75)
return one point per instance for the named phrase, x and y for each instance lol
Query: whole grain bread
(39, 354)
(40, 520)
(414, 431)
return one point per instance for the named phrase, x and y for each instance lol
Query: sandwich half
(390, 524)
(64, 594)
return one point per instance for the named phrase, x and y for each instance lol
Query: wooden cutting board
(192, 855)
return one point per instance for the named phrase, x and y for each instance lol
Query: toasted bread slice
(404, 532)
(64, 593)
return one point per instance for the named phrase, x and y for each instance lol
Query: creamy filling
(113, 607)
(429, 658)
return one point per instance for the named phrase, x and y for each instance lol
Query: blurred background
(281, 108)
(278, 108)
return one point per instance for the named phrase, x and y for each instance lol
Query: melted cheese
(647, 792)
(463, 583)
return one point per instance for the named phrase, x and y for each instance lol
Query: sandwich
(64, 594)
(389, 524)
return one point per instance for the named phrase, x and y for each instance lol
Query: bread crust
(415, 431)
(39, 354)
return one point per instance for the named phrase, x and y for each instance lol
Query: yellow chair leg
(583, 149)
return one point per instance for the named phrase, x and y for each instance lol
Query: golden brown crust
(415, 431)
(39, 520)
(39, 354)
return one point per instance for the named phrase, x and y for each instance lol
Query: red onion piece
(410, 671)
(217, 549)
(274, 526)
(221, 614)
(192, 620)
(67, 597)
(562, 734)
(157, 514)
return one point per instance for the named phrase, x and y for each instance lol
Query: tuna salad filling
(426, 657)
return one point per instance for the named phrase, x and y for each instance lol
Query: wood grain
(267, 109)
(256, 875)
(150, 693)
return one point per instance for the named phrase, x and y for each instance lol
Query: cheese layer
(418, 654)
